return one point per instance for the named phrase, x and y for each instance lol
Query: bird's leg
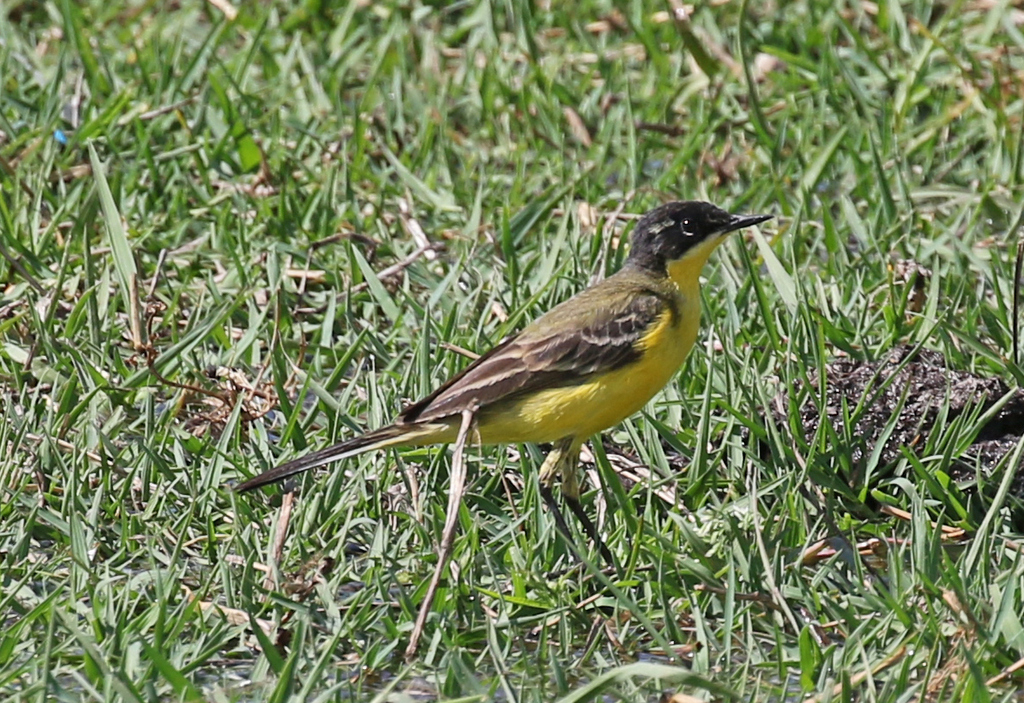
(563, 527)
(571, 493)
(590, 529)
(563, 459)
(550, 469)
(553, 462)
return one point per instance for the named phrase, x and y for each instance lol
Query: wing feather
(559, 349)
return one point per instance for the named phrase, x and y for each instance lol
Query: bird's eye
(686, 224)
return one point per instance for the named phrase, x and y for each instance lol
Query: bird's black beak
(741, 221)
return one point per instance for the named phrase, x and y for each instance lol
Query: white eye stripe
(659, 226)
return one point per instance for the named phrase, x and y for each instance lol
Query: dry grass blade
(280, 534)
(1006, 673)
(457, 486)
(860, 677)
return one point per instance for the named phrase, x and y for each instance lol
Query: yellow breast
(586, 409)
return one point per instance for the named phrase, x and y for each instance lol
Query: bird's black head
(677, 230)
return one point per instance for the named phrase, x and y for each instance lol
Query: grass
(251, 177)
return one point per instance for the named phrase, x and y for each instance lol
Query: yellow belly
(586, 409)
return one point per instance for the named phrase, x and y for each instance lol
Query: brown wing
(567, 344)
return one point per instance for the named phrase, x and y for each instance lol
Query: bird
(582, 367)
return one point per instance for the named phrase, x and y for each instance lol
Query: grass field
(227, 241)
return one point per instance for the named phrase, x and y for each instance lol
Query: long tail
(390, 436)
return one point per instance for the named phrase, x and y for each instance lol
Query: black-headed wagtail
(582, 367)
